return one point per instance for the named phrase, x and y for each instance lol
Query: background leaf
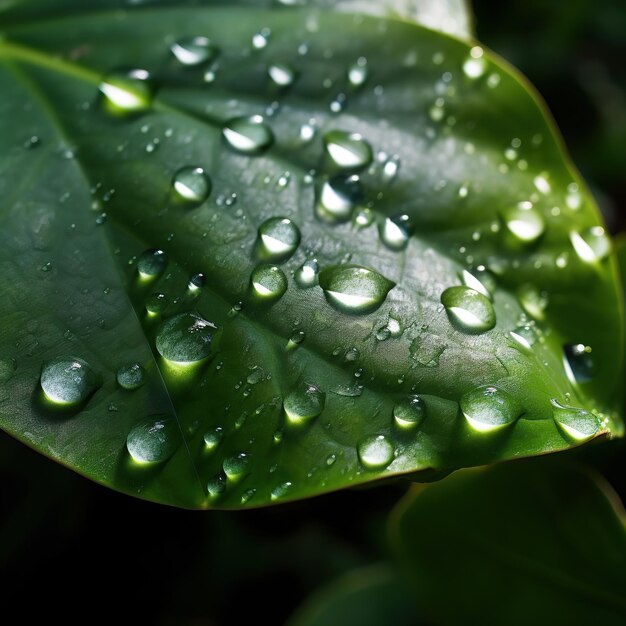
(457, 144)
(513, 542)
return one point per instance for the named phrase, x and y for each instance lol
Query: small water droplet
(591, 245)
(131, 376)
(576, 424)
(354, 289)
(236, 466)
(280, 491)
(191, 185)
(151, 263)
(306, 275)
(358, 72)
(390, 169)
(156, 303)
(468, 310)
(268, 282)
(282, 75)
(477, 282)
(279, 238)
(524, 336)
(395, 232)
(375, 452)
(523, 222)
(260, 39)
(475, 65)
(193, 50)
(410, 412)
(578, 362)
(196, 282)
(68, 380)
(337, 198)
(304, 403)
(127, 92)
(213, 438)
(216, 486)
(330, 459)
(248, 135)
(488, 409)
(347, 151)
(247, 495)
(185, 338)
(154, 440)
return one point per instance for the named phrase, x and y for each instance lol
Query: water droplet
(533, 301)
(410, 412)
(193, 50)
(304, 403)
(390, 169)
(477, 283)
(394, 232)
(488, 409)
(156, 303)
(524, 336)
(347, 151)
(475, 65)
(330, 459)
(216, 486)
(213, 438)
(591, 245)
(576, 424)
(524, 223)
(260, 39)
(280, 491)
(185, 338)
(578, 362)
(131, 376)
(247, 495)
(256, 375)
(468, 310)
(306, 275)
(248, 135)
(354, 289)
(337, 197)
(279, 238)
(154, 440)
(282, 75)
(268, 282)
(151, 263)
(127, 92)
(191, 185)
(375, 452)
(358, 73)
(68, 380)
(237, 465)
(196, 282)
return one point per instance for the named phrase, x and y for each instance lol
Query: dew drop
(525, 224)
(68, 380)
(306, 275)
(337, 198)
(268, 282)
(131, 376)
(477, 282)
(213, 438)
(375, 452)
(354, 289)
(191, 185)
(194, 50)
(578, 362)
(279, 238)
(280, 491)
(151, 263)
(591, 245)
(410, 412)
(185, 338)
(304, 403)
(524, 336)
(282, 75)
(347, 151)
(488, 409)
(156, 303)
(394, 232)
(236, 466)
(196, 282)
(126, 93)
(468, 310)
(248, 135)
(216, 486)
(576, 424)
(358, 73)
(154, 440)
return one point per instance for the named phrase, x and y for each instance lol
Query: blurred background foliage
(61, 536)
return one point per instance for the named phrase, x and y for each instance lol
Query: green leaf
(520, 542)
(367, 597)
(115, 189)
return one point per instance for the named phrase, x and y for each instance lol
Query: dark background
(61, 535)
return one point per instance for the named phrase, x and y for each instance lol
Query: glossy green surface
(101, 164)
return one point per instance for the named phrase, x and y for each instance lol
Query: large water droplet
(468, 310)
(154, 440)
(410, 412)
(576, 424)
(191, 185)
(68, 380)
(524, 223)
(151, 263)
(482, 282)
(268, 282)
(306, 275)
(127, 92)
(216, 486)
(282, 75)
(591, 245)
(395, 232)
(375, 452)
(347, 151)
(131, 376)
(279, 238)
(488, 409)
(304, 403)
(337, 197)
(185, 338)
(193, 50)
(237, 465)
(248, 135)
(354, 289)
(578, 362)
